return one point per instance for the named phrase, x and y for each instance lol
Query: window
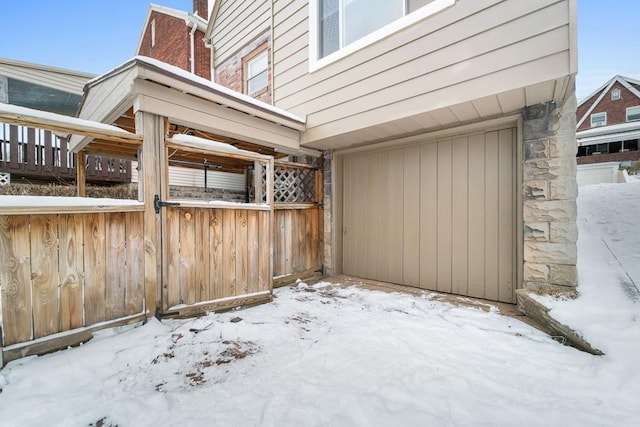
(339, 27)
(598, 119)
(615, 94)
(633, 113)
(256, 71)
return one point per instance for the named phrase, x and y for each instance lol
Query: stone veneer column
(549, 196)
(328, 266)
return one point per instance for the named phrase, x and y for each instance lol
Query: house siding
(237, 27)
(616, 110)
(423, 66)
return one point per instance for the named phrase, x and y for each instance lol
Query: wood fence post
(81, 174)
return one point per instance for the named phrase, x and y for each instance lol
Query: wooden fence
(61, 272)
(41, 155)
(296, 247)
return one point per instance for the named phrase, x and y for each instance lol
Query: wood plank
(308, 241)
(44, 274)
(134, 291)
(222, 304)
(95, 269)
(15, 274)
(290, 236)
(202, 255)
(429, 216)
(445, 170)
(314, 239)
(265, 230)
(396, 216)
(216, 288)
(460, 212)
(506, 216)
(242, 253)
(411, 217)
(476, 222)
(278, 247)
(116, 277)
(229, 252)
(188, 288)
(253, 252)
(81, 173)
(299, 225)
(172, 257)
(491, 217)
(71, 270)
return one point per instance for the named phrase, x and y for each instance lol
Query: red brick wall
(230, 72)
(200, 7)
(173, 46)
(616, 110)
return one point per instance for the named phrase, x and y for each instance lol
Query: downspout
(192, 35)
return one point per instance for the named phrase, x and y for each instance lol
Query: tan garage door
(439, 215)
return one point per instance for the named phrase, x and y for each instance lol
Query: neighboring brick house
(608, 123)
(177, 38)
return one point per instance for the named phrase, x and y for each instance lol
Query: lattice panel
(5, 178)
(293, 185)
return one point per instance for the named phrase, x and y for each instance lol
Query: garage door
(436, 215)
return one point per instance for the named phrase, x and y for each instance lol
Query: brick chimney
(200, 7)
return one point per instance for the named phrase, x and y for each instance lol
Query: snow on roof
(46, 201)
(186, 75)
(207, 144)
(60, 119)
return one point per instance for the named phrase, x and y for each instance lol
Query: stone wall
(549, 196)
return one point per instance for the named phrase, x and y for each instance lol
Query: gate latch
(157, 203)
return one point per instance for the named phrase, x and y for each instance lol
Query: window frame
(604, 114)
(316, 63)
(635, 107)
(615, 94)
(246, 60)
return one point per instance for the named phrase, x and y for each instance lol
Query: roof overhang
(606, 134)
(188, 102)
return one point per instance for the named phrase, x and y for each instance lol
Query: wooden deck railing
(41, 155)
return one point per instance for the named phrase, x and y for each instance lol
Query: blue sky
(97, 35)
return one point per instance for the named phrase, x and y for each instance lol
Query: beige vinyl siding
(56, 78)
(237, 24)
(465, 53)
(438, 215)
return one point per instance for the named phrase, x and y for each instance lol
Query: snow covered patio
(326, 355)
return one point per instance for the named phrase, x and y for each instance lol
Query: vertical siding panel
(71, 267)
(187, 256)
(215, 255)
(15, 277)
(242, 255)
(172, 257)
(428, 216)
(459, 215)
(116, 256)
(505, 216)
(476, 215)
(396, 215)
(253, 258)
(360, 216)
(370, 217)
(444, 216)
(411, 217)
(348, 210)
(135, 263)
(229, 252)
(202, 254)
(382, 226)
(264, 256)
(44, 273)
(491, 216)
(94, 268)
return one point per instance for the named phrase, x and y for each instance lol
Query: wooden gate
(215, 254)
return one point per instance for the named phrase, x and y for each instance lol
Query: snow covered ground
(324, 355)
